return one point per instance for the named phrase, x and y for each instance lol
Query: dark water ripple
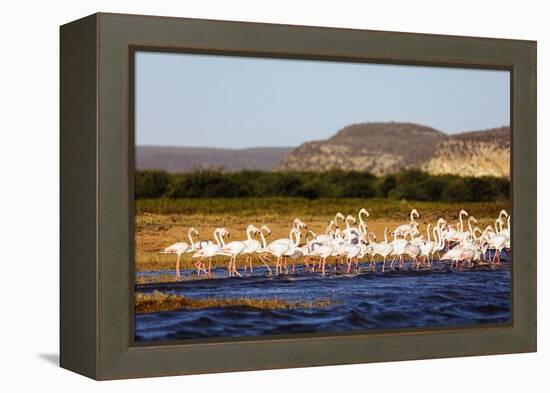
(364, 301)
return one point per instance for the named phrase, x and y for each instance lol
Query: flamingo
(427, 246)
(364, 212)
(210, 250)
(252, 246)
(263, 251)
(384, 249)
(497, 241)
(351, 252)
(336, 217)
(327, 236)
(323, 252)
(453, 235)
(235, 248)
(350, 231)
(398, 246)
(506, 232)
(336, 243)
(181, 247)
(413, 251)
(278, 248)
(404, 229)
(294, 252)
(297, 225)
(437, 232)
(459, 254)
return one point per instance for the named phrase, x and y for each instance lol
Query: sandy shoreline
(155, 232)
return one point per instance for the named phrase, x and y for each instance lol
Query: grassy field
(161, 222)
(256, 207)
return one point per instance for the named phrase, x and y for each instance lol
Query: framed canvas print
(242, 196)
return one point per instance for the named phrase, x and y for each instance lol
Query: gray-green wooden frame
(96, 145)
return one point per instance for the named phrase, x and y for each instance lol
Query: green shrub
(151, 184)
(406, 185)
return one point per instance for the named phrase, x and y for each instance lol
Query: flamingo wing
(176, 248)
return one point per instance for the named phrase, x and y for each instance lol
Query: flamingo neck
(361, 221)
(441, 239)
(191, 243)
(363, 230)
(262, 237)
(336, 220)
(297, 235)
(386, 234)
(219, 238)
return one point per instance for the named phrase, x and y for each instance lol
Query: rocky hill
(479, 153)
(384, 148)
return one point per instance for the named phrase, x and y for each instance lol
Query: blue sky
(236, 102)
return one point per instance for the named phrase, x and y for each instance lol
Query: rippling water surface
(362, 301)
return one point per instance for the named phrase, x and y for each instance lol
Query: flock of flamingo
(347, 246)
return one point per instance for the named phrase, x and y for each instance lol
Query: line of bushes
(409, 184)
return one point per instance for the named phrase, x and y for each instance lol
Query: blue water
(440, 297)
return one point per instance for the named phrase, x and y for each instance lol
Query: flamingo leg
(198, 265)
(306, 263)
(178, 266)
(229, 272)
(234, 266)
(266, 265)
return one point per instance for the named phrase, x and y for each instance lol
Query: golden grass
(161, 302)
(257, 207)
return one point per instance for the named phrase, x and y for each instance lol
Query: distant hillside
(384, 148)
(181, 159)
(379, 148)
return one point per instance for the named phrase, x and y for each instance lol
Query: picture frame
(96, 195)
